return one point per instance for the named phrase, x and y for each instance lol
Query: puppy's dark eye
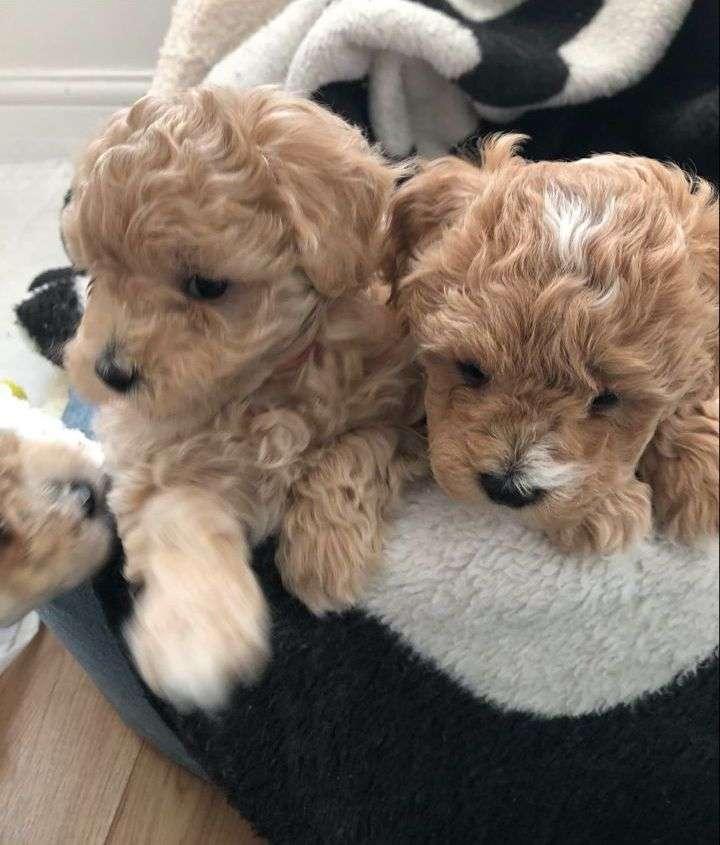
(603, 401)
(472, 375)
(198, 287)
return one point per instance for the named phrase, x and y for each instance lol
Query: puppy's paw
(324, 586)
(620, 519)
(689, 513)
(327, 564)
(190, 649)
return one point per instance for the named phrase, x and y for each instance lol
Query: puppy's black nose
(85, 496)
(115, 376)
(507, 490)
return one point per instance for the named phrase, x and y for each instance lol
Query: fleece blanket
(424, 76)
(488, 689)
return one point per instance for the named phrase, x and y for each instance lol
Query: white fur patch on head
(573, 225)
(539, 470)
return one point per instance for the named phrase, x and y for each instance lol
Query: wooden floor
(71, 773)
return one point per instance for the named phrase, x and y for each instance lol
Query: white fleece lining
(497, 607)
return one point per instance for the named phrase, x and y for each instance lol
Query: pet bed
(488, 690)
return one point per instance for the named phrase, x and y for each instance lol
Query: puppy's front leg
(681, 466)
(331, 535)
(200, 618)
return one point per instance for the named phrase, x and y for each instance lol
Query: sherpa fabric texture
(201, 32)
(580, 76)
(489, 689)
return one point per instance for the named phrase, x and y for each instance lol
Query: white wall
(81, 33)
(67, 64)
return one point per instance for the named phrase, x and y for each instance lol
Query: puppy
(567, 316)
(54, 530)
(249, 382)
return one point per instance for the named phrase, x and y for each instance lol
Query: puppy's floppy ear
(704, 245)
(695, 204)
(434, 199)
(699, 215)
(423, 207)
(690, 232)
(334, 186)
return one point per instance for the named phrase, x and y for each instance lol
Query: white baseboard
(50, 114)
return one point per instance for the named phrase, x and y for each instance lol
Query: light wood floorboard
(71, 772)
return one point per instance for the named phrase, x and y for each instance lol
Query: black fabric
(671, 115)
(520, 63)
(53, 313)
(352, 738)
(350, 100)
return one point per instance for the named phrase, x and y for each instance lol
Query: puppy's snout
(509, 489)
(85, 496)
(89, 500)
(116, 375)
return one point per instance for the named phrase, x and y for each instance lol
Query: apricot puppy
(567, 317)
(54, 529)
(249, 383)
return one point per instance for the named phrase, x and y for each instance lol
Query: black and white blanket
(370, 729)
(579, 76)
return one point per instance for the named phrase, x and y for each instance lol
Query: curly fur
(48, 543)
(287, 405)
(561, 281)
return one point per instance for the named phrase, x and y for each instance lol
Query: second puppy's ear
(693, 233)
(696, 205)
(703, 239)
(423, 207)
(433, 200)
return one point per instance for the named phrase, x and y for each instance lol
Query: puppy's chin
(459, 483)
